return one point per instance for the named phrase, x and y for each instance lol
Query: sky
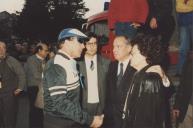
(95, 6)
(12, 6)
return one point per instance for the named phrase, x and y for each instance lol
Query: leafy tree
(33, 20)
(7, 23)
(66, 13)
(44, 19)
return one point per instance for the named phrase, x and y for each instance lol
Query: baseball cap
(71, 32)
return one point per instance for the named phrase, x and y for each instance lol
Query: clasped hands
(97, 122)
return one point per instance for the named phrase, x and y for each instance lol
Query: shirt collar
(63, 52)
(126, 61)
(94, 59)
(39, 57)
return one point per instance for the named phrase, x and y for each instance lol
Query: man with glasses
(93, 69)
(62, 87)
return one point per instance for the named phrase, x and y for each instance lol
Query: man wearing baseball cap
(61, 85)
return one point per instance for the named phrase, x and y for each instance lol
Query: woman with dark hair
(149, 47)
(146, 97)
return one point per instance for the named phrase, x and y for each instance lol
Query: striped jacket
(62, 90)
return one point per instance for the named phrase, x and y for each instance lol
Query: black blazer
(102, 68)
(116, 95)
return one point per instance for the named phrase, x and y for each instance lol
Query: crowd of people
(76, 87)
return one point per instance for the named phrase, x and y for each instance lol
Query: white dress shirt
(92, 80)
(125, 63)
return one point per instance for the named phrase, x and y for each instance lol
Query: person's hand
(97, 122)
(175, 114)
(157, 69)
(153, 23)
(136, 25)
(17, 92)
(112, 30)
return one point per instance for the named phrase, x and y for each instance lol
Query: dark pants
(125, 29)
(165, 31)
(35, 114)
(168, 122)
(112, 118)
(8, 111)
(56, 122)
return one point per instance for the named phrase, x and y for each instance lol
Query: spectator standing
(184, 9)
(12, 82)
(93, 68)
(160, 22)
(126, 16)
(62, 88)
(34, 72)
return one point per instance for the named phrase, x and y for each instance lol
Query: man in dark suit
(120, 75)
(93, 69)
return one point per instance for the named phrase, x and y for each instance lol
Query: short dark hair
(149, 46)
(39, 46)
(91, 34)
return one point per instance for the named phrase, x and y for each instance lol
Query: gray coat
(102, 68)
(33, 68)
(17, 68)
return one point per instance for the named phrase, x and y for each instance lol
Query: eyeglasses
(82, 40)
(91, 43)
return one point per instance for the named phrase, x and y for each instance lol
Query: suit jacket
(102, 68)
(116, 95)
(146, 102)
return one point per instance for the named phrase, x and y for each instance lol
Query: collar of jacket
(63, 55)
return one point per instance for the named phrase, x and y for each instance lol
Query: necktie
(119, 77)
(0, 81)
(92, 65)
(43, 66)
